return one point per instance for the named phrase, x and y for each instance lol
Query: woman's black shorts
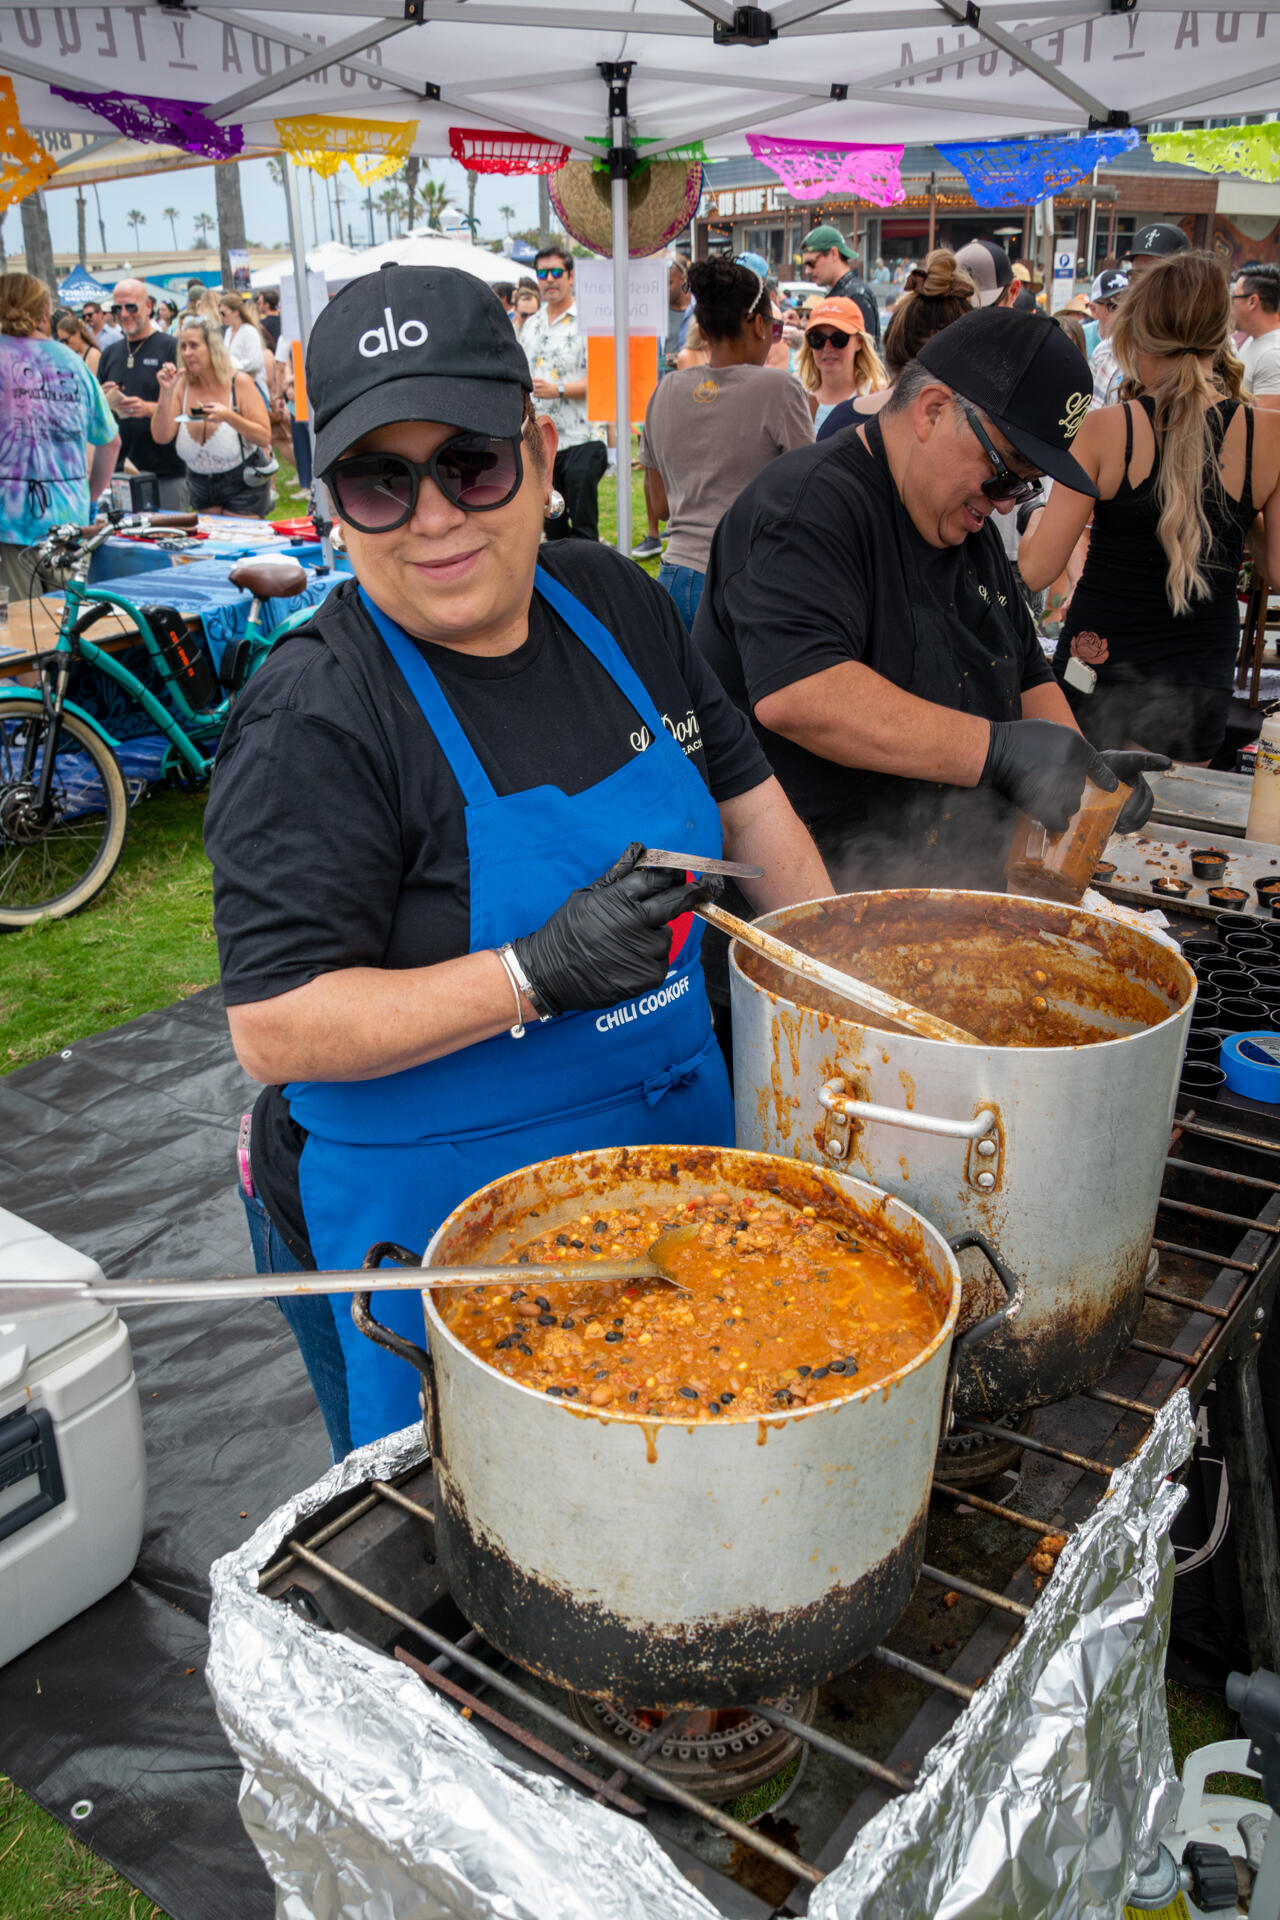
(1164, 716)
(228, 492)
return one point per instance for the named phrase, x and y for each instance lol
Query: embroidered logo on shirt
(706, 391)
(389, 339)
(1077, 407)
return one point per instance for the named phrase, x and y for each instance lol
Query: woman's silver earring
(555, 505)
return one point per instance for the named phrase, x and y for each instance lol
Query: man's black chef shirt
(336, 828)
(817, 563)
(134, 368)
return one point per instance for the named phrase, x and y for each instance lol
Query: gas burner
(718, 1752)
(966, 1459)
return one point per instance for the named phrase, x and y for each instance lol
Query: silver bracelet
(526, 986)
(516, 1032)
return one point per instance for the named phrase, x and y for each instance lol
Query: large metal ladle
(32, 1296)
(846, 985)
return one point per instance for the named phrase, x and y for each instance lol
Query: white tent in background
(432, 250)
(667, 71)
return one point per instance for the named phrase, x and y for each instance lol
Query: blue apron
(387, 1159)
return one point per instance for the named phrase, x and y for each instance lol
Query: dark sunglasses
(1004, 484)
(128, 306)
(835, 339)
(551, 273)
(378, 492)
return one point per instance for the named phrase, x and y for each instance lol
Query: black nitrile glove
(611, 939)
(1129, 769)
(1042, 767)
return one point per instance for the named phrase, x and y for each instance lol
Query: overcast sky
(192, 193)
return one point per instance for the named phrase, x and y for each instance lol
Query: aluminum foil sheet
(369, 1798)
(1058, 1777)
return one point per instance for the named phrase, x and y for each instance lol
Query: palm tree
(136, 220)
(204, 227)
(434, 200)
(390, 202)
(507, 214)
(409, 172)
(473, 181)
(171, 215)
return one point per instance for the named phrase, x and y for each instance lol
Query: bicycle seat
(273, 577)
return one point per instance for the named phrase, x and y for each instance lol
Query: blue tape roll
(1251, 1062)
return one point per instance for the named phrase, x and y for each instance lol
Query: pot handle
(1014, 1288)
(418, 1357)
(835, 1097)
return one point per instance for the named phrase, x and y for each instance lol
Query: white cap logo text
(389, 339)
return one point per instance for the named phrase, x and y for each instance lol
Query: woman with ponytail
(710, 429)
(937, 292)
(1182, 470)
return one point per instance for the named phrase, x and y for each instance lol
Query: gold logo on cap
(1077, 407)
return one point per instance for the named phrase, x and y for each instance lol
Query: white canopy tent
(667, 71)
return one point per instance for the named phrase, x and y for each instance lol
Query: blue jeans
(311, 1321)
(685, 585)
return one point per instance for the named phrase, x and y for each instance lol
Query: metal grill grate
(1204, 1318)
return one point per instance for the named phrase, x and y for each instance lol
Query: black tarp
(123, 1147)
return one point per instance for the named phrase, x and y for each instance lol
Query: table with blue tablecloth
(201, 591)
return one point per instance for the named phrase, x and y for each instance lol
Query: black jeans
(576, 474)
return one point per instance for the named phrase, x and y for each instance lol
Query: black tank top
(1122, 596)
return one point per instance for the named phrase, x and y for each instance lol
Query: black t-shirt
(817, 563)
(134, 369)
(850, 286)
(335, 825)
(270, 324)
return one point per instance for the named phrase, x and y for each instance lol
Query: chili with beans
(784, 1310)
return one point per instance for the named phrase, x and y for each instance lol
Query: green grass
(1198, 1720)
(146, 940)
(45, 1873)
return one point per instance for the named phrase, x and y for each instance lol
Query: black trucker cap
(413, 343)
(1159, 240)
(1026, 376)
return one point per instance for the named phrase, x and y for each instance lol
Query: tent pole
(322, 511)
(621, 162)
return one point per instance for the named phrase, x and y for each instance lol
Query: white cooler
(73, 1477)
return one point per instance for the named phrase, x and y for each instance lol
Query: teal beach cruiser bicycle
(64, 793)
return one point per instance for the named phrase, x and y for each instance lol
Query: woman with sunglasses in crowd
(218, 421)
(439, 951)
(837, 361)
(1182, 473)
(73, 333)
(709, 430)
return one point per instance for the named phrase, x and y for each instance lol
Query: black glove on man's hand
(1129, 769)
(1042, 767)
(611, 939)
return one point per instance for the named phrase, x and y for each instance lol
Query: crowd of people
(192, 397)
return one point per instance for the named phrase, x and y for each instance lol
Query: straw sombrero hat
(662, 200)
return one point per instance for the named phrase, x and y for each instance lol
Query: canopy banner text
(1017, 173)
(1252, 151)
(810, 171)
(322, 141)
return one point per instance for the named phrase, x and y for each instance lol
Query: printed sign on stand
(1064, 278)
(239, 259)
(646, 295)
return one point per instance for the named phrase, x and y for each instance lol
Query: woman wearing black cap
(436, 953)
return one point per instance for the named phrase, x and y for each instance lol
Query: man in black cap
(825, 255)
(991, 271)
(860, 608)
(1155, 243)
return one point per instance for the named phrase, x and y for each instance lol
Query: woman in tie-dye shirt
(51, 411)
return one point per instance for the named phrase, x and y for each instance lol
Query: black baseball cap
(989, 267)
(413, 343)
(1109, 285)
(1159, 240)
(1027, 378)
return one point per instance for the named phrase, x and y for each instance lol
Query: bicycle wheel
(54, 862)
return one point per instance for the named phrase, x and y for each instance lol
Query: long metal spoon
(846, 985)
(30, 1296)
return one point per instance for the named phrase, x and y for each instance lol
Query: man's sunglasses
(128, 306)
(835, 338)
(551, 273)
(378, 492)
(1004, 483)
